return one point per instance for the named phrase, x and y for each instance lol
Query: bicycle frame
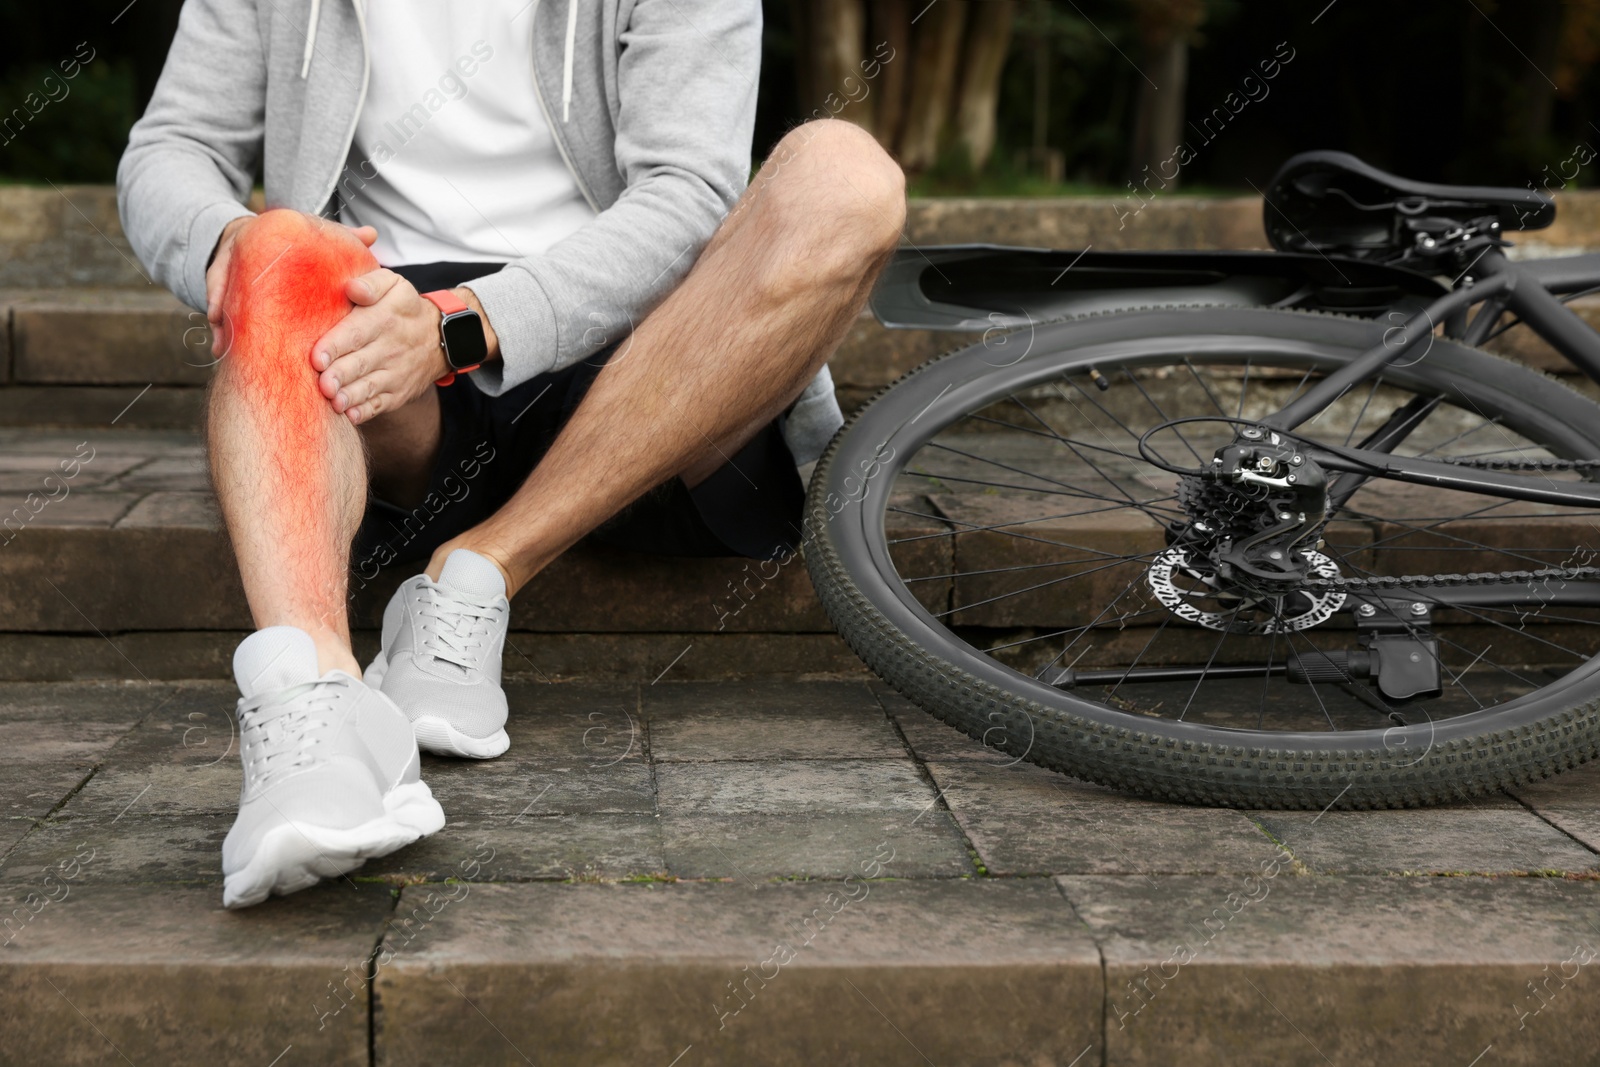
(1525, 290)
(975, 287)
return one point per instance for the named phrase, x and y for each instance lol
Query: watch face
(463, 340)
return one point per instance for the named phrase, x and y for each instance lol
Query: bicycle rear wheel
(988, 538)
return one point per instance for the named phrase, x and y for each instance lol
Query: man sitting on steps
(548, 308)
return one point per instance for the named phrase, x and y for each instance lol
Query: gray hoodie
(652, 103)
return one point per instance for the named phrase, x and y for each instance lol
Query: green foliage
(77, 137)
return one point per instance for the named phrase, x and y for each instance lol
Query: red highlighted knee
(285, 289)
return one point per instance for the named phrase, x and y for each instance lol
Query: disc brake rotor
(1299, 610)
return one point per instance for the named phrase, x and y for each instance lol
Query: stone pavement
(770, 872)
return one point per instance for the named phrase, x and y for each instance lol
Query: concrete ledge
(556, 657)
(83, 579)
(1288, 969)
(142, 974)
(769, 872)
(72, 235)
(957, 972)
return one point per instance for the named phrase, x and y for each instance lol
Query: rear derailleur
(1256, 517)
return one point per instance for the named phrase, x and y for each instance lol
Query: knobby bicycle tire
(1549, 730)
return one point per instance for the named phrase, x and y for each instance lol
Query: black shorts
(750, 506)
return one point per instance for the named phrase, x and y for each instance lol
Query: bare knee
(286, 279)
(835, 186)
(295, 266)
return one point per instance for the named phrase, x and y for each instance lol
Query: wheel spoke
(1052, 464)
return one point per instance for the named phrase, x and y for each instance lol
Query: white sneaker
(331, 773)
(440, 660)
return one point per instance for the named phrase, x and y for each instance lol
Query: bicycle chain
(1446, 581)
(1527, 464)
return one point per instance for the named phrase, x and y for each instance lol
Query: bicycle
(1255, 529)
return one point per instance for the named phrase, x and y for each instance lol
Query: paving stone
(32, 512)
(591, 974)
(931, 739)
(161, 974)
(1287, 969)
(767, 720)
(1571, 801)
(522, 848)
(32, 790)
(508, 786)
(574, 724)
(53, 735)
(133, 849)
(1024, 819)
(183, 759)
(1487, 837)
(186, 472)
(191, 510)
(13, 828)
(761, 847)
(124, 702)
(784, 788)
(47, 474)
(575, 749)
(40, 739)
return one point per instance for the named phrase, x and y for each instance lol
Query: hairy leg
(763, 308)
(289, 473)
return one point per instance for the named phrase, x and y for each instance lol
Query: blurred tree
(1166, 29)
(921, 81)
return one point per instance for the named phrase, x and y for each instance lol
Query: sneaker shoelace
(456, 626)
(275, 728)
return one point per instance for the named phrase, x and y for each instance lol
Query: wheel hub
(1180, 583)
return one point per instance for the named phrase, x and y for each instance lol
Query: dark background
(1464, 90)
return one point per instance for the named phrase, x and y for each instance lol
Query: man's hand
(217, 275)
(386, 352)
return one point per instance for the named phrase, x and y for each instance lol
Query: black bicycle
(1251, 529)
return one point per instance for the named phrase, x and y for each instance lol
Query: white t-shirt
(452, 157)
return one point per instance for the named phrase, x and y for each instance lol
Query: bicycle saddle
(1332, 202)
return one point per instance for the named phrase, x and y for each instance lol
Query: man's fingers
(367, 234)
(358, 391)
(354, 332)
(362, 412)
(369, 288)
(345, 372)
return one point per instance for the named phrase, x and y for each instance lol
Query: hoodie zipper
(361, 102)
(544, 109)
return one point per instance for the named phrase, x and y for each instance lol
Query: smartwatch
(460, 335)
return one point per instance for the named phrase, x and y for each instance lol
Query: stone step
(139, 359)
(770, 872)
(115, 532)
(78, 357)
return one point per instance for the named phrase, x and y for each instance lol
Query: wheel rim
(967, 388)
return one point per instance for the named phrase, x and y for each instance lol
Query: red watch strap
(450, 304)
(446, 301)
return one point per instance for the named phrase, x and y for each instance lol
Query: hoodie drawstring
(566, 60)
(311, 38)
